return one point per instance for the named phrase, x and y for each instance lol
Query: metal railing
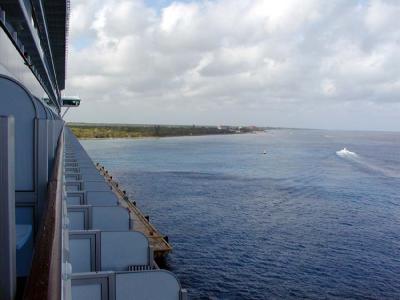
(44, 281)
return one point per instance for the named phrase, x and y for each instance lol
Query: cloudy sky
(308, 63)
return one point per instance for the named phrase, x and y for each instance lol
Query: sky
(288, 63)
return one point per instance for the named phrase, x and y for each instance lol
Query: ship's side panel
(20, 98)
(13, 65)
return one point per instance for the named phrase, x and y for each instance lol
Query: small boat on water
(346, 153)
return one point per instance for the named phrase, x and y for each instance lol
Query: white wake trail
(354, 157)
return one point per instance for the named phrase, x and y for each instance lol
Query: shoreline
(159, 137)
(98, 131)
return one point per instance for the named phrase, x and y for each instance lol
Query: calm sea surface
(302, 221)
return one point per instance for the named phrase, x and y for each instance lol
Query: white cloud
(230, 61)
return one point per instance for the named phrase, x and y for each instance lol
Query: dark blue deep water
(302, 221)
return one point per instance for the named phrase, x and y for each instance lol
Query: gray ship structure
(68, 230)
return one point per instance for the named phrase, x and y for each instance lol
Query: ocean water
(305, 220)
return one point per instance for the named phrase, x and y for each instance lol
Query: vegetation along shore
(100, 130)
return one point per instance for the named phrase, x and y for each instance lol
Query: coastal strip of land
(100, 130)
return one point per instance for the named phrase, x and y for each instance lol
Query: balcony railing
(44, 281)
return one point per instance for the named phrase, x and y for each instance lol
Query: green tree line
(117, 131)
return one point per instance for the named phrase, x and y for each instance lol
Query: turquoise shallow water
(302, 221)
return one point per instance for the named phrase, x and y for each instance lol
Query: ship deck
(157, 241)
